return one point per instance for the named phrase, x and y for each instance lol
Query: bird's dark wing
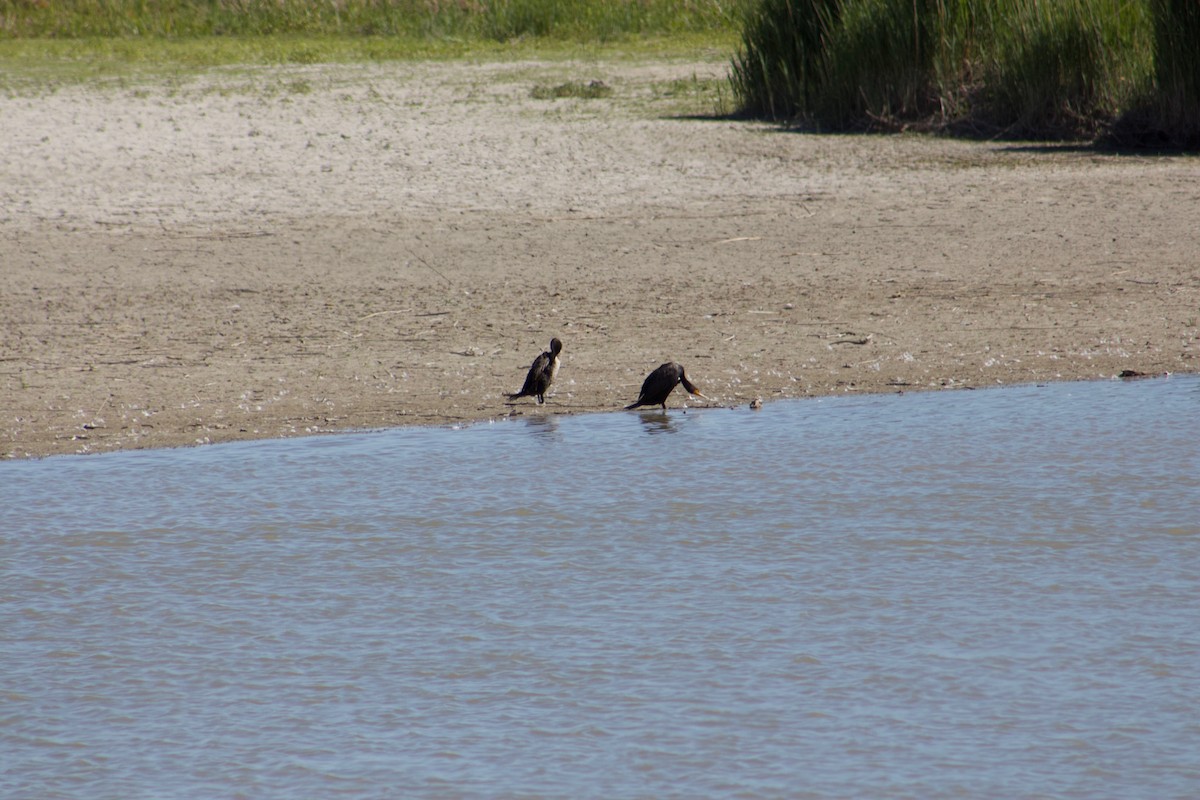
(656, 387)
(538, 377)
(545, 363)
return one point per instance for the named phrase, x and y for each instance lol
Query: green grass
(30, 67)
(474, 20)
(48, 43)
(577, 89)
(1018, 68)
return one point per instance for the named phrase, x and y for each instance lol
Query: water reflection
(656, 421)
(543, 426)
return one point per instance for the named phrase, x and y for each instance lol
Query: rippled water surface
(979, 594)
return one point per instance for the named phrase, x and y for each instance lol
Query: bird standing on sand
(660, 383)
(541, 374)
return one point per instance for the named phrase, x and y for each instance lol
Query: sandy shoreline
(272, 253)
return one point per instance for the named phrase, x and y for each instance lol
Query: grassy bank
(404, 21)
(1029, 68)
(1128, 71)
(50, 42)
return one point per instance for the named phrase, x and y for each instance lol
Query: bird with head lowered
(660, 383)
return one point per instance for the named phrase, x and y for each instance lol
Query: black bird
(660, 383)
(541, 374)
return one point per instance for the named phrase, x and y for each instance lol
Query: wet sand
(288, 251)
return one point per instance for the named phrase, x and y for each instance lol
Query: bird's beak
(691, 388)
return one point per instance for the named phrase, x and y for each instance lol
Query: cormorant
(541, 374)
(660, 383)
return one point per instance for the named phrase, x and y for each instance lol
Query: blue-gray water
(964, 594)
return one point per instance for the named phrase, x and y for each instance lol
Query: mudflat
(254, 253)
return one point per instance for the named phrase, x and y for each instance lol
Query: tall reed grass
(1044, 68)
(1172, 112)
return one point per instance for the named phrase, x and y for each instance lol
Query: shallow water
(984, 594)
